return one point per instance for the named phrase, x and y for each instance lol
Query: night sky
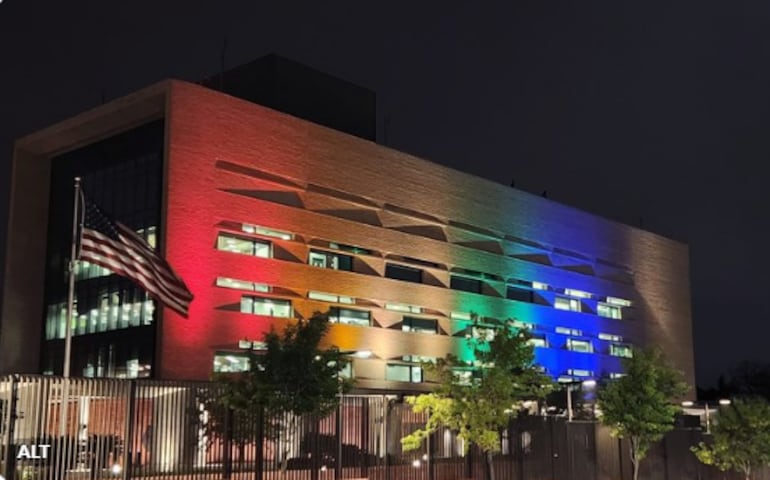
(652, 111)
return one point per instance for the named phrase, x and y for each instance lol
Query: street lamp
(696, 406)
(350, 354)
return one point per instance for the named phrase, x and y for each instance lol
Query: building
(267, 216)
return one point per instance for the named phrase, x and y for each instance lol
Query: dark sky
(652, 109)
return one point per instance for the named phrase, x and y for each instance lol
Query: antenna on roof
(222, 65)
(513, 183)
(544, 194)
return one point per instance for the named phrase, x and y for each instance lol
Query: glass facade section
(242, 285)
(619, 350)
(465, 284)
(583, 346)
(113, 323)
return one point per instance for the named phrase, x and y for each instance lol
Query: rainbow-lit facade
(268, 217)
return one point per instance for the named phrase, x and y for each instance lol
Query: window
(461, 316)
(400, 307)
(348, 316)
(330, 297)
(335, 261)
(268, 232)
(620, 350)
(614, 375)
(402, 272)
(270, 307)
(610, 337)
(576, 293)
(622, 302)
(245, 246)
(580, 373)
(583, 346)
(564, 303)
(569, 331)
(241, 285)
(538, 341)
(465, 284)
(609, 311)
(225, 362)
(419, 325)
(520, 294)
(349, 248)
(403, 373)
(539, 286)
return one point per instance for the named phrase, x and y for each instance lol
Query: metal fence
(121, 429)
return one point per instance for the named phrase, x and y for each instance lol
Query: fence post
(260, 453)
(228, 444)
(10, 451)
(128, 442)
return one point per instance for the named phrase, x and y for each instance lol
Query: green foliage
(640, 406)
(293, 375)
(740, 437)
(479, 407)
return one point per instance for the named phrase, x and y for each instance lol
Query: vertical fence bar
(129, 431)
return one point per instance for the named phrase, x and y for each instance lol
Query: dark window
(420, 325)
(465, 284)
(520, 294)
(400, 272)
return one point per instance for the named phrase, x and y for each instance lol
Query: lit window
(539, 286)
(268, 232)
(403, 373)
(615, 375)
(400, 307)
(418, 359)
(349, 316)
(619, 350)
(257, 248)
(270, 307)
(538, 341)
(622, 302)
(569, 331)
(241, 285)
(334, 261)
(583, 346)
(419, 325)
(610, 337)
(576, 293)
(330, 297)
(521, 325)
(463, 316)
(563, 303)
(580, 373)
(609, 311)
(225, 362)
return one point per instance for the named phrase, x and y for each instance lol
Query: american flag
(116, 247)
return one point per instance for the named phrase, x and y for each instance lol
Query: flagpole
(71, 292)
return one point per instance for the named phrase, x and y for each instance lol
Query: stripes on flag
(116, 247)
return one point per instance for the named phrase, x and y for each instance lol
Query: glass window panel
(350, 316)
(420, 325)
(609, 311)
(231, 362)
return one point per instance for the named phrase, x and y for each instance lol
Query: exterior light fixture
(725, 401)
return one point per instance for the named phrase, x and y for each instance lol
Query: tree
(640, 406)
(480, 406)
(291, 378)
(740, 437)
